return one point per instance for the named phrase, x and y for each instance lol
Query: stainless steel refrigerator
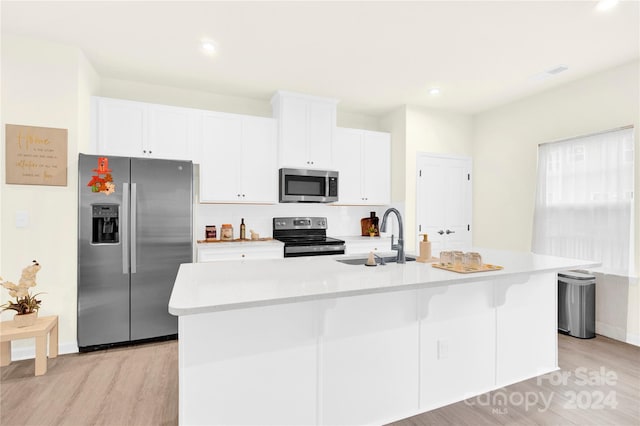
(134, 231)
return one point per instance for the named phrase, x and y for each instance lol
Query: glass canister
(226, 232)
(446, 257)
(458, 257)
(473, 260)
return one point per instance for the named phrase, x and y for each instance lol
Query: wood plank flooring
(139, 386)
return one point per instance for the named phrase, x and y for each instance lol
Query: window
(584, 200)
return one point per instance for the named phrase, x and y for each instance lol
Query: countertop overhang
(239, 284)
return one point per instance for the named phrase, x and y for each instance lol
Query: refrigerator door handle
(134, 226)
(124, 226)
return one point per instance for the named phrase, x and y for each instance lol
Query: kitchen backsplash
(341, 220)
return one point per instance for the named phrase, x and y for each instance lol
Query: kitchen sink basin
(363, 260)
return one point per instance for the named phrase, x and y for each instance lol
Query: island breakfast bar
(312, 341)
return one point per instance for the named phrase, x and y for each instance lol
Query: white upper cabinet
(363, 158)
(172, 132)
(238, 159)
(138, 129)
(305, 130)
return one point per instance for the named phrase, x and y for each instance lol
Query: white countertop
(237, 284)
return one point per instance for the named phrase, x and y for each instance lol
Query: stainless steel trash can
(577, 304)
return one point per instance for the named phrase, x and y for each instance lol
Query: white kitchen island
(312, 341)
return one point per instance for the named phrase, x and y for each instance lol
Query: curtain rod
(615, 129)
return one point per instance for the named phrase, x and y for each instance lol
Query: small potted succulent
(372, 230)
(26, 305)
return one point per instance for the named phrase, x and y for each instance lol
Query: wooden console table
(44, 326)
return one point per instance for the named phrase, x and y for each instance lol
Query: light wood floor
(139, 386)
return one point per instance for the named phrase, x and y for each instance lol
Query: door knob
(450, 232)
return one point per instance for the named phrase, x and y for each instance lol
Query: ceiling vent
(557, 70)
(549, 73)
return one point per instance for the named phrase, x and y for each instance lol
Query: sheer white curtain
(584, 200)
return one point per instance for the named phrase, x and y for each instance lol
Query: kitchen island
(312, 341)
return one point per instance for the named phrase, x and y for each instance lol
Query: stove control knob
(322, 223)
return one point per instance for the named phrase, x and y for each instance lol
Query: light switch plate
(22, 219)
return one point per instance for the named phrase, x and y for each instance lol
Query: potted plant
(26, 305)
(372, 230)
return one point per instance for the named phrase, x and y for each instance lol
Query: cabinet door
(376, 168)
(347, 160)
(220, 157)
(258, 161)
(369, 369)
(321, 124)
(171, 132)
(293, 133)
(120, 127)
(457, 343)
(220, 251)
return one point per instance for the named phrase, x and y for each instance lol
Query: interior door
(444, 201)
(161, 229)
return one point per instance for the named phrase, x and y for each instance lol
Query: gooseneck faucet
(400, 245)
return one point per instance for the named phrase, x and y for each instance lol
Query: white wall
(165, 95)
(505, 156)
(45, 84)
(431, 131)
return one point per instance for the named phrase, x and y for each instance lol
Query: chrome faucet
(400, 245)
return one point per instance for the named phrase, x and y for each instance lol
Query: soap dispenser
(425, 249)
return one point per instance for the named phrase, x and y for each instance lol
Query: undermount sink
(363, 260)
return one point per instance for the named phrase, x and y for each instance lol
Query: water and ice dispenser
(105, 224)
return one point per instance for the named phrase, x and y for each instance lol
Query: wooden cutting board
(467, 270)
(237, 240)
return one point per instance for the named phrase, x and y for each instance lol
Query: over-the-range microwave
(308, 186)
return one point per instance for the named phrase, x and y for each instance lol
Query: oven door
(308, 186)
(312, 250)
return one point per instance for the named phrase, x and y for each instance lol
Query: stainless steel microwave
(308, 186)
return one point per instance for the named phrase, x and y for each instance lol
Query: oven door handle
(314, 249)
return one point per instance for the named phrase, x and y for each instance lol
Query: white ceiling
(374, 56)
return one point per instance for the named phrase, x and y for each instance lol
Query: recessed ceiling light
(606, 5)
(434, 91)
(208, 47)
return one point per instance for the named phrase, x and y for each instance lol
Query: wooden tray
(467, 270)
(237, 240)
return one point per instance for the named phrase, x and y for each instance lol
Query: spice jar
(210, 232)
(226, 233)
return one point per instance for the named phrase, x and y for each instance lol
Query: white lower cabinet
(238, 159)
(369, 367)
(259, 366)
(457, 343)
(212, 252)
(526, 324)
(366, 359)
(365, 245)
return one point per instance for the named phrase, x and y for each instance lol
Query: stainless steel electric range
(305, 236)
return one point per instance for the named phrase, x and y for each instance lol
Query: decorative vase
(25, 320)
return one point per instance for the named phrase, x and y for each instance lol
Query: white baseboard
(617, 333)
(29, 352)
(633, 339)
